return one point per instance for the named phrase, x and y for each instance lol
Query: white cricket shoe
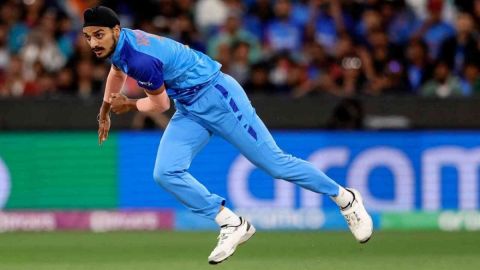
(359, 221)
(228, 240)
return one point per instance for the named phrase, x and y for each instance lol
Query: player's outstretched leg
(241, 126)
(234, 230)
(284, 166)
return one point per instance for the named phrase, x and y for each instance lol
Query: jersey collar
(115, 58)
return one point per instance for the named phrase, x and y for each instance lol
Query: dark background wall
(277, 112)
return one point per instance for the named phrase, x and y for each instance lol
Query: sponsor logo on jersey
(145, 83)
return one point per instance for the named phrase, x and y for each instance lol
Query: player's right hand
(103, 128)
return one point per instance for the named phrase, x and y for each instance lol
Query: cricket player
(208, 102)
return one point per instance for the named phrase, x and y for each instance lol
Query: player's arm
(156, 101)
(115, 81)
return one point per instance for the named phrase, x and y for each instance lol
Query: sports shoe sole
(366, 240)
(250, 232)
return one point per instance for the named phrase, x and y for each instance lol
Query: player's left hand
(119, 103)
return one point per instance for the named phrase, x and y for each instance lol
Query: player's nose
(93, 43)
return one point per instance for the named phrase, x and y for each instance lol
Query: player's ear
(116, 30)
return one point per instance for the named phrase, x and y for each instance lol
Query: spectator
(316, 72)
(282, 33)
(394, 76)
(444, 83)
(10, 14)
(384, 69)
(285, 73)
(399, 19)
(259, 82)
(66, 36)
(262, 10)
(33, 12)
(380, 49)
(418, 66)
(351, 76)
(259, 14)
(350, 69)
(420, 8)
(462, 48)
(330, 22)
(239, 66)
(371, 21)
(42, 46)
(46, 84)
(210, 15)
(344, 48)
(87, 78)
(233, 32)
(224, 56)
(184, 31)
(471, 79)
(14, 84)
(433, 29)
(300, 12)
(65, 81)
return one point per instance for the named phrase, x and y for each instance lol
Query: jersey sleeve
(148, 71)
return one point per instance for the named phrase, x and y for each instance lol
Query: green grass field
(266, 250)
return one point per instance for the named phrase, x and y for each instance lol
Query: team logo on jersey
(141, 38)
(4, 184)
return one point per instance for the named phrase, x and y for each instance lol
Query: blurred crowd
(289, 47)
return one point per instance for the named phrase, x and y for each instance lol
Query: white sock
(227, 217)
(344, 197)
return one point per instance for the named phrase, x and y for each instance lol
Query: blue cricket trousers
(222, 108)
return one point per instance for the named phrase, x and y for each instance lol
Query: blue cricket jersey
(153, 60)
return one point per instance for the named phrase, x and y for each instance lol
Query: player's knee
(160, 175)
(164, 175)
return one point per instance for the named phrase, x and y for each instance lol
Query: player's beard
(112, 49)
